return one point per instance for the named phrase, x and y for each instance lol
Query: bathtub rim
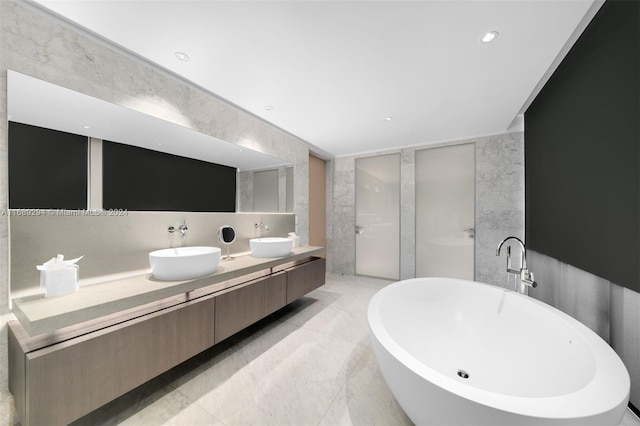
(613, 376)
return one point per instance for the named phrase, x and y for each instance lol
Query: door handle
(471, 231)
(359, 229)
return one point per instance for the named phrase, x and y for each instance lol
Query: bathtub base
(427, 404)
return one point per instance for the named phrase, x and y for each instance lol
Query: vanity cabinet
(239, 307)
(69, 379)
(61, 376)
(304, 278)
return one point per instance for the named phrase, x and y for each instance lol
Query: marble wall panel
(580, 294)
(610, 310)
(407, 213)
(329, 171)
(344, 243)
(499, 201)
(625, 333)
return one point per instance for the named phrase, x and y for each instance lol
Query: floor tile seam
(191, 401)
(333, 400)
(343, 387)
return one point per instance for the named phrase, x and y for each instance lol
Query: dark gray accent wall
(582, 152)
(47, 168)
(140, 179)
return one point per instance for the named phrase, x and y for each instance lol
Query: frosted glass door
(378, 216)
(445, 212)
(265, 191)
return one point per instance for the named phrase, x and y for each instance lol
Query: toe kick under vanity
(71, 354)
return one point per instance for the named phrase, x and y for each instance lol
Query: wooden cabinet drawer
(304, 278)
(241, 306)
(70, 379)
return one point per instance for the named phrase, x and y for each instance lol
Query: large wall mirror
(45, 105)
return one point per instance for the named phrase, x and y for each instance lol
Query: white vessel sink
(270, 247)
(184, 263)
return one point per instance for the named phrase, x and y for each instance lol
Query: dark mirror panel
(582, 152)
(47, 168)
(145, 180)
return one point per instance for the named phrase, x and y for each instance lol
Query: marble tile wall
(408, 213)
(499, 201)
(499, 205)
(610, 310)
(343, 216)
(245, 191)
(38, 44)
(329, 243)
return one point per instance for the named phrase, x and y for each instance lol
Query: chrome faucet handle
(526, 277)
(171, 229)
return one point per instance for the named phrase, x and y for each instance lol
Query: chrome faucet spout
(519, 241)
(260, 227)
(523, 274)
(183, 229)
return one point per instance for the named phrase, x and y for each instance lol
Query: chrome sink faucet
(182, 229)
(523, 274)
(260, 228)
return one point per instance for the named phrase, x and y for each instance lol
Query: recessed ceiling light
(268, 108)
(84, 126)
(181, 56)
(491, 35)
(388, 118)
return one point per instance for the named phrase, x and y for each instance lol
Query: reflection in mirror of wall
(266, 191)
(29, 100)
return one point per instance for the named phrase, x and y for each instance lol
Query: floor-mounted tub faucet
(523, 274)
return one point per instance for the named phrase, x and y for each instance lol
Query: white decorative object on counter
(59, 276)
(295, 238)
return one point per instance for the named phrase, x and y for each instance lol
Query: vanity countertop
(39, 315)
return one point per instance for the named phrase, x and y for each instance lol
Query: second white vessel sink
(270, 247)
(184, 263)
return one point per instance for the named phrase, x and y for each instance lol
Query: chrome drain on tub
(463, 374)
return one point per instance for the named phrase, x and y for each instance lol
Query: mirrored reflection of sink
(184, 263)
(270, 247)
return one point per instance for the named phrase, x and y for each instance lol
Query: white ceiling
(333, 70)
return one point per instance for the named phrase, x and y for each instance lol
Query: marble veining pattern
(343, 220)
(499, 201)
(408, 213)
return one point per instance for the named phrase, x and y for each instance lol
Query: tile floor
(308, 364)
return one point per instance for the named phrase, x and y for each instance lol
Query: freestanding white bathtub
(463, 352)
